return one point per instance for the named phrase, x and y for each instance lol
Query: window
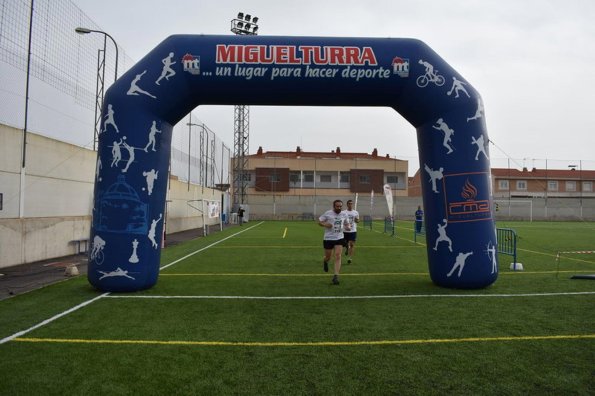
(309, 177)
(326, 178)
(552, 185)
(246, 177)
(570, 186)
(392, 179)
(294, 177)
(275, 177)
(521, 185)
(345, 177)
(588, 186)
(364, 179)
(503, 184)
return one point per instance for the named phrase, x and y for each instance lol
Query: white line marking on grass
(310, 343)
(20, 333)
(299, 275)
(206, 247)
(309, 247)
(396, 296)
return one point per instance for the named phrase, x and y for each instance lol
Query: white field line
(401, 238)
(83, 304)
(211, 245)
(20, 333)
(396, 296)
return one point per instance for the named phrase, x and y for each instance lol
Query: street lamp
(82, 30)
(99, 86)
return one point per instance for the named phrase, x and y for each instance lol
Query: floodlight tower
(244, 24)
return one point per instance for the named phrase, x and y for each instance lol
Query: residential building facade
(534, 183)
(542, 183)
(333, 173)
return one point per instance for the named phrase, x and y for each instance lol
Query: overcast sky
(532, 61)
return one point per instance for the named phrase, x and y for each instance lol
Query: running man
(167, 71)
(334, 222)
(351, 236)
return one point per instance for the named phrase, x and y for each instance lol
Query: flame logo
(469, 191)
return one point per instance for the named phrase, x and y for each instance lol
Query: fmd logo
(191, 63)
(467, 197)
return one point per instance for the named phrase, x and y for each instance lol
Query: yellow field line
(284, 232)
(307, 344)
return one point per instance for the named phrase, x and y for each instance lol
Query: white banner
(388, 194)
(213, 209)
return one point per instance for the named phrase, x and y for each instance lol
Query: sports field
(249, 311)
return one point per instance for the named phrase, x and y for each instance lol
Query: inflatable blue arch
(186, 71)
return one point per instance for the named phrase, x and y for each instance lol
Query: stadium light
(82, 30)
(244, 24)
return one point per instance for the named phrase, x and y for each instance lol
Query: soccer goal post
(516, 208)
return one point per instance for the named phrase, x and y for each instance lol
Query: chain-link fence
(63, 77)
(199, 156)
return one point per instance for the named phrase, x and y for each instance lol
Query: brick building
(534, 183)
(329, 173)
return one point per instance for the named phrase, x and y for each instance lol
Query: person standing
(351, 235)
(241, 215)
(419, 218)
(334, 222)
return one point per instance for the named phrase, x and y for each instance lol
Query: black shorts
(350, 236)
(329, 245)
